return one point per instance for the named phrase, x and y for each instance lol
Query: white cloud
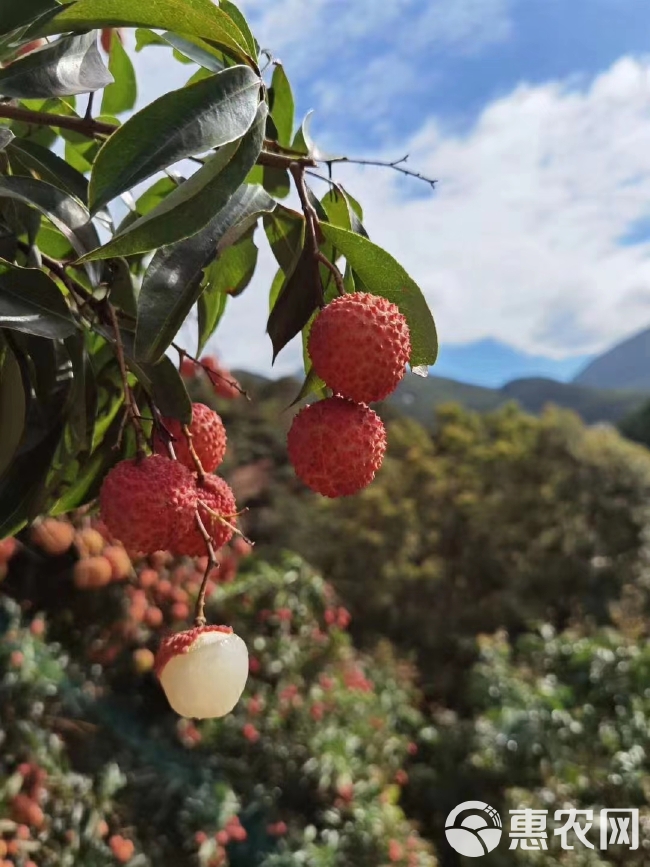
(520, 241)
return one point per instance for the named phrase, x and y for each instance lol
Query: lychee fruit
(217, 509)
(52, 536)
(92, 572)
(208, 439)
(90, 541)
(144, 503)
(119, 560)
(203, 671)
(336, 446)
(189, 368)
(359, 345)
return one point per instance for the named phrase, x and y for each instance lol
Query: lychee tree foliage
(89, 305)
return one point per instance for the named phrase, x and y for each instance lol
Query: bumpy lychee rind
(336, 446)
(145, 503)
(208, 439)
(359, 346)
(217, 509)
(203, 671)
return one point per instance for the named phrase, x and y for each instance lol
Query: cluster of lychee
(359, 345)
(159, 503)
(222, 381)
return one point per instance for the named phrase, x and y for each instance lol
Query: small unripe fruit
(145, 503)
(52, 536)
(208, 439)
(153, 617)
(143, 660)
(90, 541)
(92, 572)
(119, 560)
(359, 346)
(27, 811)
(336, 446)
(203, 671)
(218, 510)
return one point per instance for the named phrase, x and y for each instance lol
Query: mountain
(418, 397)
(624, 366)
(492, 363)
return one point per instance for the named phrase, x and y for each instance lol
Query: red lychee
(359, 346)
(203, 670)
(208, 439)
(217, 509)
(144, 503)
(336, 446)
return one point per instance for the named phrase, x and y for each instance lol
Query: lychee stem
(211, 374)
(224, 519)
(199, 613)
(129, 400)
(200, 472)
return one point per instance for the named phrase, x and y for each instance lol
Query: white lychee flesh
(208, 678)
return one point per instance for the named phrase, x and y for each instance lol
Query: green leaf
(148, 201)
(386, 277)
(48, 167)
(196, 50)
(145, 37)
(208, 114)
(237, 16)
(31, 302)
(172, 283)
(69, 216)
(12, 406)
(341, 211)
(299, 298)
(70, 65)
(6, 136)
(227, 276)
(121, 287)
(191, 17)
(194, 203)
(168, 390)
(18, 14)
(285, 230)
(276, 181)
(312, 384)
(282, 105)
(122, 94)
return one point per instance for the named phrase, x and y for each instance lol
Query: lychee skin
(146, 503)
(208, 439)
(214, 495)
(203, 671)
(336, 446)
(359, 346)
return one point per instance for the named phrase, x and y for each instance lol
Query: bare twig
(332, 267)
(199, 616)
(211, 374)
(394, 164)
(129, 399)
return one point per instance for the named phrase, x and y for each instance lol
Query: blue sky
(535, 117)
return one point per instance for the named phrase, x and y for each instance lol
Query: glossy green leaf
(300, 296)
(191, 17)
(67, 213)
(168, 390)
(285, 230)
(121, 287)
(15, 14)
(31, 302)
(209, 114)
(6, 136)
(47, 166)
(282, 105)
(192, 205)
(122, 93)
(172, 283)
(12, 405)
(227, 276)
(70, 65)
(384, 276)
(196, 50)
(276, 181)
(340, 210)
(235, 14)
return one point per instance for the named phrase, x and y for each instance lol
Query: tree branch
(395, 164)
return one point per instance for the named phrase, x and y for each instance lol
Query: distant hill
(624, 366)
(419, 397)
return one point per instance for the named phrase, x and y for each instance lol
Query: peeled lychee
(144, 503)
(359, 346)
(217, 509)
(336, 446)
(203, 671)
(208, 439)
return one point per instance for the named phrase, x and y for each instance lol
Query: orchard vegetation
(380, 654)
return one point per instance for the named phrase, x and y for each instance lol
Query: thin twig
(394, 164)
(331, 266)
(199, 616)
(89, 107)
(200, 472)
(129, 399)
(183, 353)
